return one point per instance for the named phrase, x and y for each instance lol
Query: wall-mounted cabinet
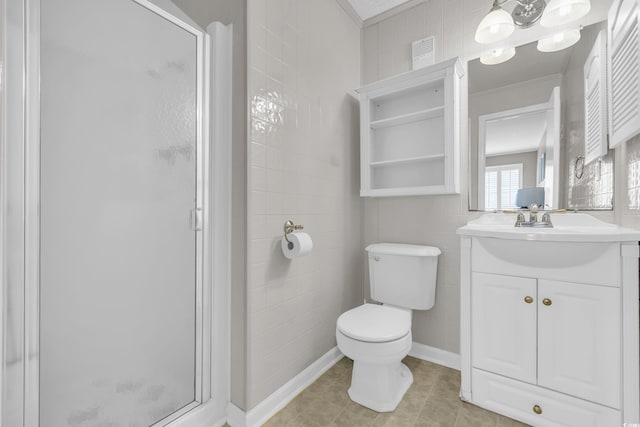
(624, 70)
(410, 132)
(595, 101)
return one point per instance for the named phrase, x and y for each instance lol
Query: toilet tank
(403, 275)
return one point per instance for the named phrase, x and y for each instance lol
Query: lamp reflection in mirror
(561, 12)
(559, 41)
(496, 26)
(498, 56)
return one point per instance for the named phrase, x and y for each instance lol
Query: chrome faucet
(533, 218)
(533, 213)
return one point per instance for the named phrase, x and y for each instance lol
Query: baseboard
(236, 416)
(285, 394)
(435, 355)
(201, 416)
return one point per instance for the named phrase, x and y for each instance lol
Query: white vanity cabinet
(409, 132)
(559, 335)
(549, 323)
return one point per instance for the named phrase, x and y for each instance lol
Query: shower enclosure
(109, 308)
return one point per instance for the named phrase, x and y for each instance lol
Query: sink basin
(567, 227)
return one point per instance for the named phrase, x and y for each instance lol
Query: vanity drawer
(592, 263)
(517, 400)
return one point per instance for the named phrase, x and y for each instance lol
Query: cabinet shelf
(408, 118)
(406, 160)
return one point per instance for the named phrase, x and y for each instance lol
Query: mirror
(526, 132)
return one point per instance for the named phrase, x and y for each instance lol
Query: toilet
(377, 337)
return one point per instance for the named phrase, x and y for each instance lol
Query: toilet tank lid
(402, 249)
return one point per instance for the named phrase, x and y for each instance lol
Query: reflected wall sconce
(498, 24)
(559, 41)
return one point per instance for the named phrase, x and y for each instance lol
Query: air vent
(423, 52)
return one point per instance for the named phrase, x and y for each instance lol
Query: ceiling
(370, 8)
(515, 134)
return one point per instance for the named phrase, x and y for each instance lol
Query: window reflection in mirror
(526, 131)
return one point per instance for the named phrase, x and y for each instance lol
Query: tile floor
(431, 401)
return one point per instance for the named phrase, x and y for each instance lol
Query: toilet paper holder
(290, 227)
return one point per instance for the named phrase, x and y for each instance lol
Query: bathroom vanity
(549, 320)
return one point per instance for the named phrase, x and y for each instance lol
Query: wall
(529, 165)
(627, 183)
(304, 62)
(386, 51)
(633, 181)
(594, 190)
(233, 12)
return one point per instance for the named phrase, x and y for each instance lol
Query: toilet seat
(375, 323)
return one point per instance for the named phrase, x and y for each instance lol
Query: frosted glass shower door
(119, 251)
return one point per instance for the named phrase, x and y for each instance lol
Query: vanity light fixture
(498, 56)
(559, 41)
(496, 26)
(561, 12)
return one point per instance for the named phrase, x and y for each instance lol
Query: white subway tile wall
(633, 174)
(303, 157)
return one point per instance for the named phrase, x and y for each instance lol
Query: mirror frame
(482, 137)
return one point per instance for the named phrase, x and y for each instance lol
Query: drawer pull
(547, 302)
(528, 299)
(537, 409)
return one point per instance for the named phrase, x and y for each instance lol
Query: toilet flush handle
(376, 258)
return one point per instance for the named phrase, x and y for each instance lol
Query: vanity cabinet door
(579, 340)
(504, 325)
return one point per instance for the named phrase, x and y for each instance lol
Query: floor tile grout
(435, 390)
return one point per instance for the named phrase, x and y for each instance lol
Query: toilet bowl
(378, 336)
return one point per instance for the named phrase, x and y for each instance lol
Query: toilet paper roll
(300, 244)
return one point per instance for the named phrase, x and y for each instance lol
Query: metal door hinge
(195, 219)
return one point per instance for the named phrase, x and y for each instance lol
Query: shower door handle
(195, 219)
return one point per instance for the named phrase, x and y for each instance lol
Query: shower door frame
(20, 216)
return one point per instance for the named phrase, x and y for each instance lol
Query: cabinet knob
(528, 299)
(537, 409)
(547, 302)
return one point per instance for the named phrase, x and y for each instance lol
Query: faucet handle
(547, 218)
(519, 219)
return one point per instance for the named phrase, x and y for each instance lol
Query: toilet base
(379, 386)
